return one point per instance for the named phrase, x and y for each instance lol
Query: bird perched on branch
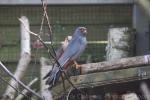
(74, 49)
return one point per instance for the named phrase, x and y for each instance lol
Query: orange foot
(77, 65)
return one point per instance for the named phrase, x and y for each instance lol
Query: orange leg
(77, 65)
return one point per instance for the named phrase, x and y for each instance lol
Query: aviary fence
(64, 19)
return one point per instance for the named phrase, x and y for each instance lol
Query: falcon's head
(82, 31)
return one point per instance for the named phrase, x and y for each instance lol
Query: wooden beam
(116, 64)
(101, 78)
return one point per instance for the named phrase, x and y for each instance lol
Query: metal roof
(61, 2)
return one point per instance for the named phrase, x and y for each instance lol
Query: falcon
(74, 49)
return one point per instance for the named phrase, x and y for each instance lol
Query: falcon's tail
(52, 77)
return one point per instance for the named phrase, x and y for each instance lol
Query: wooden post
(120, 43)
(24, 60)
(116, 64)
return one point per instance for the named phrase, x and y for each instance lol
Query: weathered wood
(144, 4)
(145, 91)
(20, 97)
(116, 64)
(101, 78)
(24, 60)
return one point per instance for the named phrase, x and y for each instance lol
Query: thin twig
(42, 22)
(50, 30)
(49, 26)
(54, 57)
(63, 82)
(49, 52)
(39, 38)
(67, 98)
(47, 18)
(27, 28)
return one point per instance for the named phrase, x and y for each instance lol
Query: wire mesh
(64, 19)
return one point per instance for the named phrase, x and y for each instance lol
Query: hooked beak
(84, 31)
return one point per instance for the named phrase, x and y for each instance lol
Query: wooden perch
(113, 73)
(24, 60)
(20, 97)
(102, 78)
(116, 64)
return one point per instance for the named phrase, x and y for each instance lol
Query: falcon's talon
(78, 66)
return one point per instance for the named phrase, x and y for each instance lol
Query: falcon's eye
(83, 30)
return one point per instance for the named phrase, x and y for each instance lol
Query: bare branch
(21, 83)
(23, 61)
(47, 18)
